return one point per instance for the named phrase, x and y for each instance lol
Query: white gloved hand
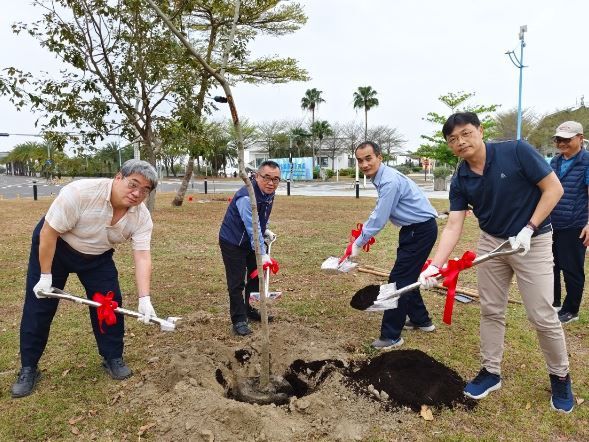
(355, 250)
(146, 309)
(269, 236)
(266, 259)
(44, 284)
(427, 277)
(522, 239)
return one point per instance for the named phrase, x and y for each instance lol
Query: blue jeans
(96, 273)
(415, 244)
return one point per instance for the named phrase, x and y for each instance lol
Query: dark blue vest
(571, 210)
(233, 229)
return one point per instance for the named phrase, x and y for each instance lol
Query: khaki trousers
(535, 281)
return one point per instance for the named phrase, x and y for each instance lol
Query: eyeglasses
(453, 139)
(270, 179)
(559, 140)
(135, 186)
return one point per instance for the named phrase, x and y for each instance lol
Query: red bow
(272, 265)
(106, 310)
(450, 274)
(356, 233)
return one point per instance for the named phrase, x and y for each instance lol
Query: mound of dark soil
(365, 297)
(410, 378)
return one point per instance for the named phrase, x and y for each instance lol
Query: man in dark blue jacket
(236, 239)
(570, 218)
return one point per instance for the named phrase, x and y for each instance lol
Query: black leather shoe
(25, 382)
(253, 314)
(116, 368)
(241, 329)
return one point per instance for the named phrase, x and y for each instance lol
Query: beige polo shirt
(82, 214)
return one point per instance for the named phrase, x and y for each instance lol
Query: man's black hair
(375, 147)
(271, 164)
(460, 119)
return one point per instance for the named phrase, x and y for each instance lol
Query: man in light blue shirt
(402, 202)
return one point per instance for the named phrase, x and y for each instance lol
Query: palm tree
(321, 129)
(365, 97)
(311, 101)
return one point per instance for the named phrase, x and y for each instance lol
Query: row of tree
(126, 74)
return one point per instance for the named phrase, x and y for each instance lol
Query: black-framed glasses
(270, 179)
(134, 185)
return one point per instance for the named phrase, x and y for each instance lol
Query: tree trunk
(179, 198)
(365, 124)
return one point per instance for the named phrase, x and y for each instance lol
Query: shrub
(404, 169)
(443, 172)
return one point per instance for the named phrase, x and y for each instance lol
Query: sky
(409, 52)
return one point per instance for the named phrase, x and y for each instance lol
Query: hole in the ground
(408, 378)
(242, 355)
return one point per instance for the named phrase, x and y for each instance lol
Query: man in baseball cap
(570, 218)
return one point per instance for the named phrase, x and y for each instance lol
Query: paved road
(22, 187)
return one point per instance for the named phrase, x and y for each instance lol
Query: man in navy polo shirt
(570, 218)
(511, 190)
(236, 239)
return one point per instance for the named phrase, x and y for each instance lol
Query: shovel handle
(478, 260)
(60, 294)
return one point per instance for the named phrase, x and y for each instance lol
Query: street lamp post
(290, 165)
(519, 63)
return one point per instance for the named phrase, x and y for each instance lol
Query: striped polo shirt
(82, 214)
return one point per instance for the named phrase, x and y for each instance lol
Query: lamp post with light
(519, 63)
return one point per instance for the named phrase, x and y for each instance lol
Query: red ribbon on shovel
(354, 234)
(273, 265)
(106, 311)
(450, 274)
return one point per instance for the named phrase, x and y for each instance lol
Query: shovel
(168, 324)
(255, 296)
(386, 296)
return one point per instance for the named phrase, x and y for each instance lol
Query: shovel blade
(272, 296)
(169, 324)
(333, 266)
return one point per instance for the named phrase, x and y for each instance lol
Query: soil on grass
(187, 389)
(411, 378)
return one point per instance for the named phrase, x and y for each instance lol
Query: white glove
(426, 278)
(266, 259)
(146, 309)
(269, 236)
(44, 284)
(522, 239)
(355, 250)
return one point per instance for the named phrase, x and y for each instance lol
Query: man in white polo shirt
(77, 235)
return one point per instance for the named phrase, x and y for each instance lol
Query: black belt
(542, 230)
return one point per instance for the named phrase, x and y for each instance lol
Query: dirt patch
(187, 391)
(410, 378)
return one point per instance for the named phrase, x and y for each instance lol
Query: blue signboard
(302, 168)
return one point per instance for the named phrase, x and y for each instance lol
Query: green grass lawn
(75, 397)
